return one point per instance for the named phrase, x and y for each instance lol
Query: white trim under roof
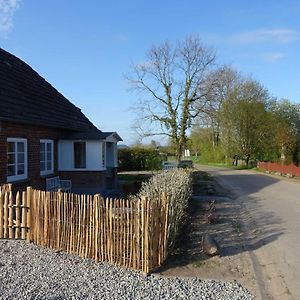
(113, 138)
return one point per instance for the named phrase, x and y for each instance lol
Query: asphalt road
(271, 219)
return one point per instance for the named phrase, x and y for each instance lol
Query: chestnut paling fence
(131, 233)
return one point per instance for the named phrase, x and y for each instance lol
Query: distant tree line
(240, 120)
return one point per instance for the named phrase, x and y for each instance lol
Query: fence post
(166, 206)
(1, 212)
(96, 228)
(28, 213)
(5, 215)
(147, 215)
(145, 236)
(18, 216)
(10, 216)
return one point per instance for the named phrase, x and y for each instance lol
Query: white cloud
(272, 56)
(7, 10)
(279, 35)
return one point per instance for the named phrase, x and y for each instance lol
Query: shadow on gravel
(234, 228)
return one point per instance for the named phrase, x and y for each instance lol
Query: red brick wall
(111, 178)
(33, 134)
(3, 155)
(91, 179)
(88, 179)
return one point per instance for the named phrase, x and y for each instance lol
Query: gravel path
(31, 272)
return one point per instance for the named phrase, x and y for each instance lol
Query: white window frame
(25, 175)
(47, 172)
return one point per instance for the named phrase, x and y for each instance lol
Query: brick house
(42, 134)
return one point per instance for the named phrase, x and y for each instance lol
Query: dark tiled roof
(84, 135)
(26, 97)
(90, 135)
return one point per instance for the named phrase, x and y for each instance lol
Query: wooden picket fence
(6, 187)
(14, 214)
(130, 233)
(291, 169)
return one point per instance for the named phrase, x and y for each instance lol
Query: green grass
(238, 167)
(197, 160)
(172, 158)
(229, 166)
(258, 170)
(209, 264)
(198, 263)
(224, 165)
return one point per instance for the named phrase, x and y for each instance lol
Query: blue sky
(84, 48)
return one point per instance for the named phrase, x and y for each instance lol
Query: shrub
(139, 159)
(124, 160)
(211, 154)
(177, 184)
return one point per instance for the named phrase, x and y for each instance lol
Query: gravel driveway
(31, 272)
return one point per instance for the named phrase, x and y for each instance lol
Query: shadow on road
(246, 182)
(254, 226)
(238, 228)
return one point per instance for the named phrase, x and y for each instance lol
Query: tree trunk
(235, 160)
(247, 160)
(178, 152)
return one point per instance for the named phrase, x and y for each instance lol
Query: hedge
(177, 185)
(139, 159)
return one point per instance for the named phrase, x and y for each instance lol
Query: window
(79, 155)
(16, 159)
(46, 157)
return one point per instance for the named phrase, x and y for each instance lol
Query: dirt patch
(188, 259)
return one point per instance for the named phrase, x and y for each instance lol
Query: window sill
(47, 175)
(17, 181)
(83, 170)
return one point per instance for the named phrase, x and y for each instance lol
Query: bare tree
(171, 85)
(220, 83)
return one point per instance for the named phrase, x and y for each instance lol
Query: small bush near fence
(139, 159)
(177, 184)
